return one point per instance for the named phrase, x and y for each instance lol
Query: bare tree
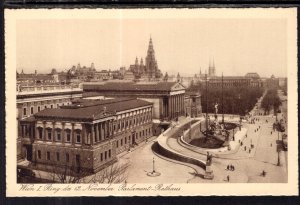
(116, 173)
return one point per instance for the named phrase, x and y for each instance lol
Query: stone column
(83, 134)
(63, 133)
(93, 134)
(44, 132)
(96, 126)
(169, 107)
(102, 130)
(72, 134)
(53, 131)
(36, 133)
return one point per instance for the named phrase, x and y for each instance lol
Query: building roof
(87, 110)
(130, 86)
(252, 75)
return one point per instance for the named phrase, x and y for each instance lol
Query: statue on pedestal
(208, 171)
(216, 110)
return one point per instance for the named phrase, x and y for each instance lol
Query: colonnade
(173, 106)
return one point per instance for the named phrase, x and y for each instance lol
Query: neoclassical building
(35, 99)
(87, 135)
(167, 97)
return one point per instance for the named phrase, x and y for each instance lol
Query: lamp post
(279, 144)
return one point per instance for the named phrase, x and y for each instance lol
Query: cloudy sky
(184, 45)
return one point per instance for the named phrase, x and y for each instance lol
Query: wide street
(249, 165)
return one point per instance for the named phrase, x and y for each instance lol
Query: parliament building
(86, 135)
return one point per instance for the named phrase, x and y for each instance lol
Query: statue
(216, 108)
(208, 159)
(208, 170)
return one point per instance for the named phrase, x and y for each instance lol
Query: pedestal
(208, 173)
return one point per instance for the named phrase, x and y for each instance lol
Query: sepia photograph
(162, 101)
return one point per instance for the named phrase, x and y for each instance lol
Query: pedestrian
(271, 132)
(228, 178)
(228, 167)
(245, 148)
(233, 168)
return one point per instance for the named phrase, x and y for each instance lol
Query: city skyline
(238, 46)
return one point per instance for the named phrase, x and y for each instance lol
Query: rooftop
(129, 86)
(87, 110)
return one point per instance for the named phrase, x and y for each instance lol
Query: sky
(238, 46)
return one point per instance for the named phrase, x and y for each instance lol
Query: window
(68, 132)
(24, 111)
(31, 110)
(58, 135)
(45, 106)
(105, 155)
(67, 157)
(40, 130)
(117, 143)
(101, 157)
(48, 155)
(125, 140)
(78, 136)
(109, 153)
(57, 156)
(49, 134)
(39, 108)
(39, 154)
(121, 142)
(57, 105)
(51, 106)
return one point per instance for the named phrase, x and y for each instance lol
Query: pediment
(177, 86)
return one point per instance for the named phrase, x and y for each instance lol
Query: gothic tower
(151, 63)
(211, 68)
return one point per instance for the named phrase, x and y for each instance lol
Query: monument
(208, 170)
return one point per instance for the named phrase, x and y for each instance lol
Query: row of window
(57, 155)
(39, 108)
(127, 123)
(58, 134)
(105, 155)
(142, 133)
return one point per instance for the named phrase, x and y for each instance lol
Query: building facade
(167, 97)
(87, 135)
(35, 99)
(192, 103)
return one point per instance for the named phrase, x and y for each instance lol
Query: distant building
(87, 135)
(192, 103)
(211, 69)
(167, 97)
(272, 82)
(148, 71)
